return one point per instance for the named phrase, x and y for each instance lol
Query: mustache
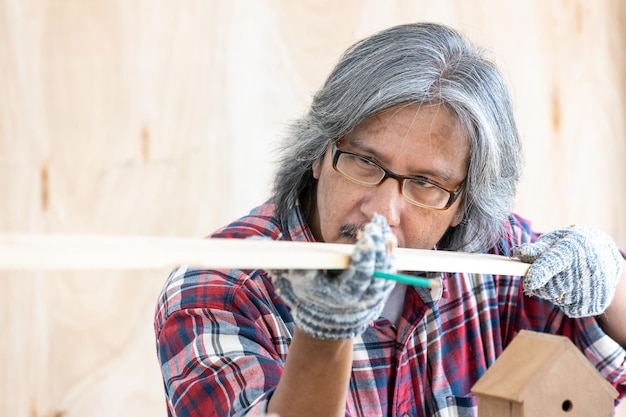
(351, 230)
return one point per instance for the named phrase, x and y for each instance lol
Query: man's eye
(365, 164)
(421, 183)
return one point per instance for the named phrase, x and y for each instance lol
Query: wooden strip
(23, 251)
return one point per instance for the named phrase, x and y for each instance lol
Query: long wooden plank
(23, 251)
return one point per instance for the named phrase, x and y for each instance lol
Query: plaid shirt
(223, 336)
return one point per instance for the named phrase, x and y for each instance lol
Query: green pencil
(409, 279)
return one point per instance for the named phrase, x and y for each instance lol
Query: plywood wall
(159, 117)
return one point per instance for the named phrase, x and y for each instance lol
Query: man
(411, 139)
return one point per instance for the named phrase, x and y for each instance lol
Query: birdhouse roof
(531, 359)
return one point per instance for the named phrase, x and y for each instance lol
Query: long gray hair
(416, 63)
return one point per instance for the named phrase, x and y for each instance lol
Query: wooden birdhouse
(543, 375)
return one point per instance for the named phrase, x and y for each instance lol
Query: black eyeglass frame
(453, 194)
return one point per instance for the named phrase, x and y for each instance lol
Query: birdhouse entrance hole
(567, 405)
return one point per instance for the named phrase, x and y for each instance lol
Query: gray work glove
(576, 268)
(341, 306)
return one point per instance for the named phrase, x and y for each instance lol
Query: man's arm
(613, 320)
(315, 378)
(329, 310)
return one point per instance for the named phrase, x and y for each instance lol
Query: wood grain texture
(159, 117)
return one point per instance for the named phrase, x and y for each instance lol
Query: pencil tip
(435, 284)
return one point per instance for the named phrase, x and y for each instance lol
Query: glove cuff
(331, 326)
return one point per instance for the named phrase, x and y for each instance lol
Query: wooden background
(160, 117)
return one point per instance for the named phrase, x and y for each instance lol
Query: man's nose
(386, 199)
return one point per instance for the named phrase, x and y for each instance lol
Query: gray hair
(416, 63)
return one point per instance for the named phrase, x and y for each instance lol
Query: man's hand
(576, 268)
(341, 306)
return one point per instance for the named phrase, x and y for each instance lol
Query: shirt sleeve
(221, 349)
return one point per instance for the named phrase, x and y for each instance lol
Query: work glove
(576, 268)
(341, 305)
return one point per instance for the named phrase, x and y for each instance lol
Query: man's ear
(457, 218)
(317, 167)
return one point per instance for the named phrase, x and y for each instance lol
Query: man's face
(410, 140)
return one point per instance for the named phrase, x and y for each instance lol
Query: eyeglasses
(417, 190)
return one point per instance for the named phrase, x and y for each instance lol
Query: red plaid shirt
(223, 336)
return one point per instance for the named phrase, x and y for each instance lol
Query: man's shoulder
(517, 230)
(261, 221)
(520, 224)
